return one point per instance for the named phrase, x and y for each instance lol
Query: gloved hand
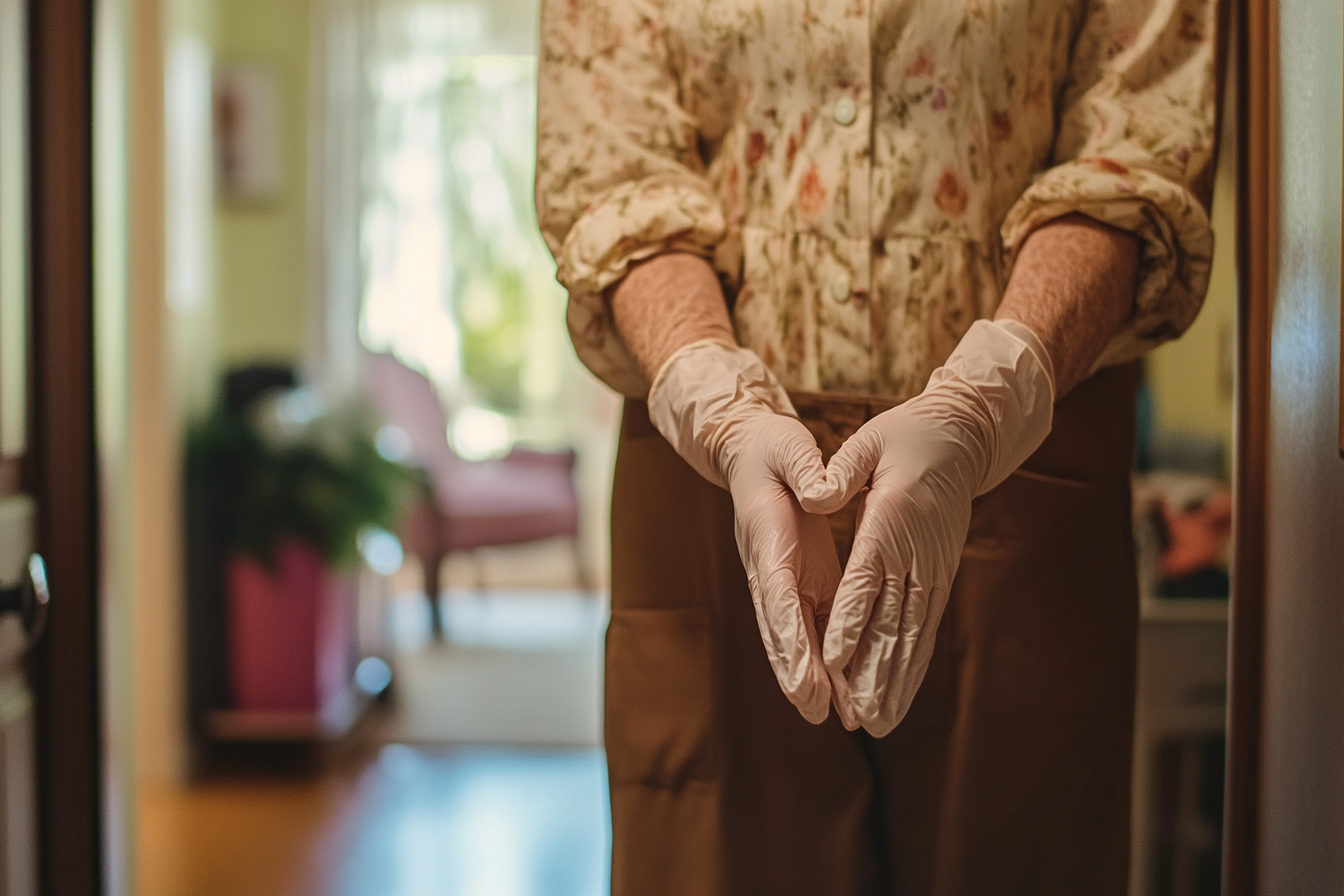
(728, 417)
(982, 414)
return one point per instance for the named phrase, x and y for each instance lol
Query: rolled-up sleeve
(619, 177)
(1135, 149)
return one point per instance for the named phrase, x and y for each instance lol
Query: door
(50, 757)
(1285, 806)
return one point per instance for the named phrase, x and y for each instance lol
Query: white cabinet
(1178, 736)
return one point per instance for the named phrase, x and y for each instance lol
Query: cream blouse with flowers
(861, 172)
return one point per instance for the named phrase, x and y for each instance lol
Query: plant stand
(291, 651)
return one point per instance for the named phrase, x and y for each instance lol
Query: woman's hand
(981, 415)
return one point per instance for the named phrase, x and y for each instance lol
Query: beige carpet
(518, 667)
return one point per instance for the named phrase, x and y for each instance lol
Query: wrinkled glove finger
(819, 567)
(879, 651)
(794, 457)
(902, 695)
(847, 472)
(843, 703)
(776, 540)
(839, 683)
(818, 579)
(820, 678)
(860, 587)
(790, 642)
(885, 679)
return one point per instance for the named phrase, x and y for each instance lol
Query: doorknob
(29, 598)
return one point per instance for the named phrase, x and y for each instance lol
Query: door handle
(29, 598)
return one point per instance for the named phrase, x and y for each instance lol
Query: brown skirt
(1011, 772)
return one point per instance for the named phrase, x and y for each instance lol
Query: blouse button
(845, 111)
(840, 288)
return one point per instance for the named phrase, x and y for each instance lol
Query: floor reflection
(479, 822)
(404, 821)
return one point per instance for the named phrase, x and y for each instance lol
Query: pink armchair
(525, 496)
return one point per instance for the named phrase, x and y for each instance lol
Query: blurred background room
(356, 370)
(355, 483)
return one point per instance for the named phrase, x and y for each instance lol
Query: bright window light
(458, 281)
(480, 434)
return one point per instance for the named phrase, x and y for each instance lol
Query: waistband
(832, 418)
(1091, 438)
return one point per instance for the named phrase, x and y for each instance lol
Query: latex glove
(982, 414)
(728, 417)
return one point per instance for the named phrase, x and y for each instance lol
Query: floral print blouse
(862, 172)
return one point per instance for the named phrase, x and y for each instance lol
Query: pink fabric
(407, 399)
(526, 496)
(504, 502)
(290, 632)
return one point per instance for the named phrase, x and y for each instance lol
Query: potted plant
(287, 487)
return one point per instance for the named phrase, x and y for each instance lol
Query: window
(458, 282)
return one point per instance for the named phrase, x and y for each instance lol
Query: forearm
(1073, 285)
(665, 304)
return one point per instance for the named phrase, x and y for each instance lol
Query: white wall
(170, 361)
(110, 233)
(1303, 783)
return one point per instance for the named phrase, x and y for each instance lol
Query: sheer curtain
(424, 237)
(429, 141)
(339, 104)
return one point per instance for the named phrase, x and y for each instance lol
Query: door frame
(66, 664)
(1257, 227)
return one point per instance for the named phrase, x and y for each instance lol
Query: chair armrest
(530, 457)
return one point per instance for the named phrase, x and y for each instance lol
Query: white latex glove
(982, 414)
(728, 417)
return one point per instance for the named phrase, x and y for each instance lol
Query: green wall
(261, 248)
(1192, 377)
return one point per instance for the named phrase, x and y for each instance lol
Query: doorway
(62, 462)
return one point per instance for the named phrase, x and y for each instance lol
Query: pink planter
(290, 632)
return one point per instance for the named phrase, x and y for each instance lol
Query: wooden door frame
(1257, 230)
(67, 663)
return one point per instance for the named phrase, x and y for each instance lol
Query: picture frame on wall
(248, 165)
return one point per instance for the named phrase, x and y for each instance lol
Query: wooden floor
(405, 821)
(398, 820)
